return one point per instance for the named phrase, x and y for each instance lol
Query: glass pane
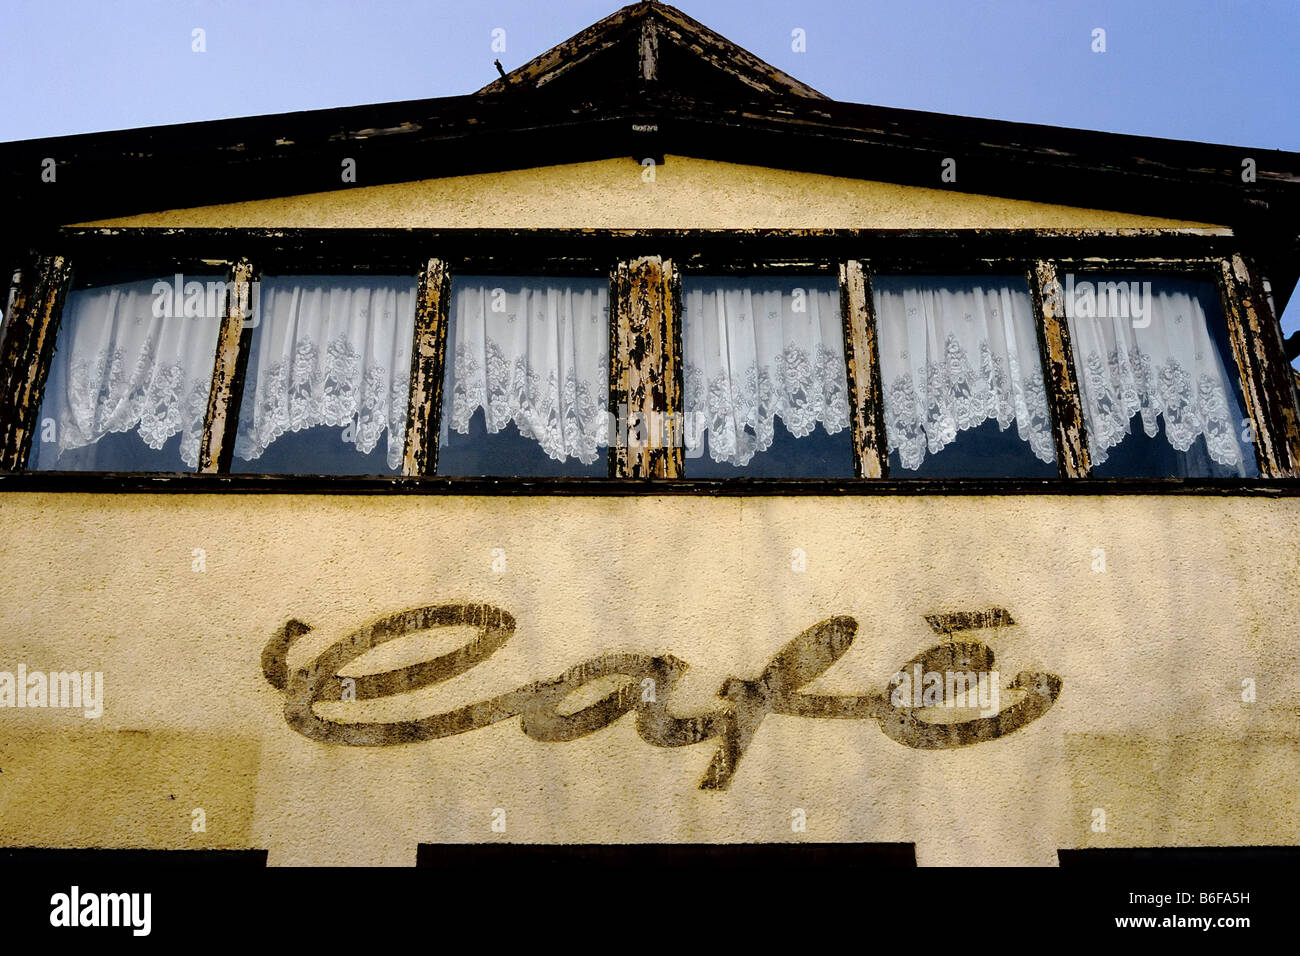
(1157, 379)
(527, 380)
(766, 391)
(328, 376)
(962, 378)
(128, 384)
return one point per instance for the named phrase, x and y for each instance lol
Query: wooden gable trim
(641, 26)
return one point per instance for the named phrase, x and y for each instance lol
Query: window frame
(645, 267)
(1242, 309)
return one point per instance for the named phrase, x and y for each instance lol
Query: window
(527, 377)
(945, 376)
(328, 376)
(961, 377)
(766, 390)
(1156, 377)
(127, 388)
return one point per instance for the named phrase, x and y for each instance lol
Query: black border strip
(89, 857)
(564, 858)
(1218, 856)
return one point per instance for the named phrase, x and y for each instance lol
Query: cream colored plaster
(1197, 594)
(687, 193)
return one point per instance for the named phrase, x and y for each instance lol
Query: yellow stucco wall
(1197, 594)
(612, 193)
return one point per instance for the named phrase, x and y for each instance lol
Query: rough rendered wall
(612, 193)
(1197, 594)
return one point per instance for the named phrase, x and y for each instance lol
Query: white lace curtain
(117, 367)
(534, 352)
(329, 350)
(756, 351)
(1170, 368)
(954, 354)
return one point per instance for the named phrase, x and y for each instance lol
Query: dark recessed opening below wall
(580, 858)
(1216, 856)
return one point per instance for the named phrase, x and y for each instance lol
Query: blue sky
(1225, 71)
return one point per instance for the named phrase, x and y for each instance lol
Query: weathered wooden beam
(1069, 431)
(217, 445)
(862, 360)
(536, 486)
(646, 369)
(30, 330)
(1267, 384)
(17, 273)
(649, 51)
(325, 251)
(428, 353)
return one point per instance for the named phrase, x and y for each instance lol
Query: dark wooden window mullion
(646, 368)
(862, 361)
(428, 361)
(17, 275)
(618, 434)
(220, 423)
(1267, 384)
(1062, 383)
(13, 277)
(28, 347)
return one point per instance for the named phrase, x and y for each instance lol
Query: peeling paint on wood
(1266, 381)
(649, 51)
(1068, 430)
(645, 369)
(217, 444)
(428, 351)
(861, 359)
(570, 250)
(30, 331)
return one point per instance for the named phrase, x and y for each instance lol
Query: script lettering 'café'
(904, 711)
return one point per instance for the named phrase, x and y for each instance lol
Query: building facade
(647, 449)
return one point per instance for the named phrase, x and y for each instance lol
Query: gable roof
(646, 81)
(649, 44)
